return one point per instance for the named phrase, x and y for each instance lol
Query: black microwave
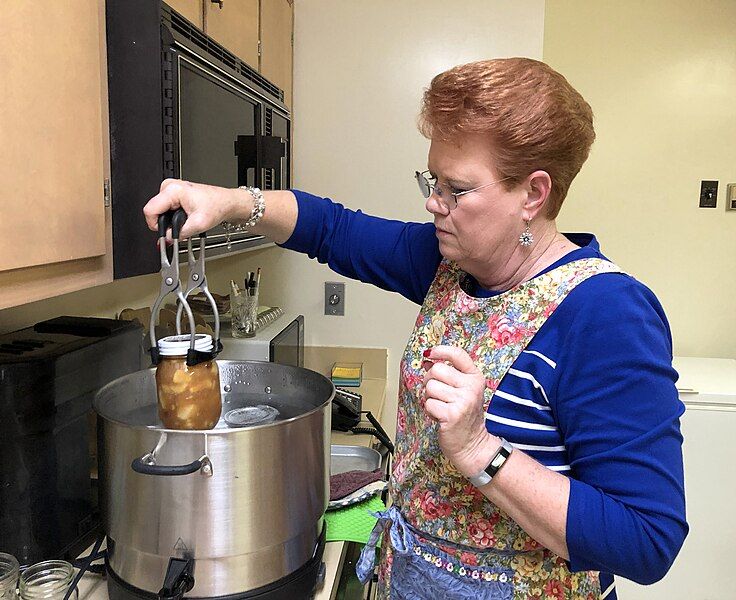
(183, 106)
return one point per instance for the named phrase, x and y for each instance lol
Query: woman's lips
(440, 231)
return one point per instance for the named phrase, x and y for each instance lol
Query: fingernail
(427, 353)
(427, 365)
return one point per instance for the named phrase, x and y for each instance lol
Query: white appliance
(281, 341)
(704, 569)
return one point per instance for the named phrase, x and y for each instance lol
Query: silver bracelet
(259, 208)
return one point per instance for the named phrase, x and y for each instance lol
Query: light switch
(708, 194)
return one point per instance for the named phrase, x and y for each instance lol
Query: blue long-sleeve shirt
(596, 384)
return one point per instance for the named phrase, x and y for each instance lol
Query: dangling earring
(526, 238)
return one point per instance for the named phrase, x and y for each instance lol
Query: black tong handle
(174, 219)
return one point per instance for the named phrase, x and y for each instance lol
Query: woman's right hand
(205, 205)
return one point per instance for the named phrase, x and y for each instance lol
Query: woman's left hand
(454, 389)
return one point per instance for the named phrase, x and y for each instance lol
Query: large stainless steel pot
(246, 504)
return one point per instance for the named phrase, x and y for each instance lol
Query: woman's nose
(435, 206)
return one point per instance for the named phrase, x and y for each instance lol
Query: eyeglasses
(444, 192)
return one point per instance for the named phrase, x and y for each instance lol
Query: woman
(524, 334)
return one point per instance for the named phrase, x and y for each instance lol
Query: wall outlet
(334, 298)
(731, 196)
(708, 194)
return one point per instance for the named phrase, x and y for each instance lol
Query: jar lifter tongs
(171, 284)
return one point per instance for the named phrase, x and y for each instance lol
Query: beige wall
(359, 71)
(661, 78)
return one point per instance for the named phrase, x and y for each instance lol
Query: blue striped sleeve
(393, 255)
(619, 411)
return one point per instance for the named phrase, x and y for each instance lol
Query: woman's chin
(448, 250)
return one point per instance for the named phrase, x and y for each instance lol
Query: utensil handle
(144, 468)
(174, 219)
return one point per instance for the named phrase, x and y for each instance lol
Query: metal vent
(268, 128)
(194, 35)
(167, 77)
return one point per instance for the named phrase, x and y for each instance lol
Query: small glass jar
(48, 580)
(188, 397)
(9, 569)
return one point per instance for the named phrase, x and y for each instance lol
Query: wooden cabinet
(55, 231)
(277, 26)
(239, 25)
(234, 24)
(190, 9)
(55, 227)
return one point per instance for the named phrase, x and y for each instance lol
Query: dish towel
(346, 483)
(354, 523)
(372, 489)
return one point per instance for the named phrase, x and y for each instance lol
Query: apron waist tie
(402, 541)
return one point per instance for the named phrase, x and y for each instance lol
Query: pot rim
(214, 432)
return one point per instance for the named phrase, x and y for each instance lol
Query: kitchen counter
(374, 396)
(373, 390)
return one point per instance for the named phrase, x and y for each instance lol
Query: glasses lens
(424, 186)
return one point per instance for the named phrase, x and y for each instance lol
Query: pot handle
(146, 465)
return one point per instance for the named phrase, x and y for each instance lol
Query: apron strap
(402, 541)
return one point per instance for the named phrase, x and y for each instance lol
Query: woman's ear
(538, 186)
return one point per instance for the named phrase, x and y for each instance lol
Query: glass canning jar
(8, 576)
(188, 397)
(48, 580)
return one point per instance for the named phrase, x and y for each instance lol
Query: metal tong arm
(170, 282)
(198, 279)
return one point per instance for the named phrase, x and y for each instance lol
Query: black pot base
(302, 583)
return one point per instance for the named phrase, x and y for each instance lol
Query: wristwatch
(498, 460)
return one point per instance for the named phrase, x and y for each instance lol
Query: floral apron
(445, 539)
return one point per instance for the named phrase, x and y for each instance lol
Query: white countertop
(706, 375)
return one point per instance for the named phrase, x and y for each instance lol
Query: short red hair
(533, 117)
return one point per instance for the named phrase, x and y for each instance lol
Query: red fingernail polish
(427, 353)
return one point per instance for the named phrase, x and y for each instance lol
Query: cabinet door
(53, 231)
(190, 9)
(277, 22)
(234, 24)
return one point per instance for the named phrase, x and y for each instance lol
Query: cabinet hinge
(259, 48)
(107, 193)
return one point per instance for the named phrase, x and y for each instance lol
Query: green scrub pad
(354, 523)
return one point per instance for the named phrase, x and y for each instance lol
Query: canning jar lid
(178, 345)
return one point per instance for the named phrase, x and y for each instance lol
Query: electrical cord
(86, 564)
(377, 430)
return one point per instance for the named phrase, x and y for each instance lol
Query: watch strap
(485, 476)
